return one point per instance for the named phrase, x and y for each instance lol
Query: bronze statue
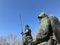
(28, 37)
(49, 33)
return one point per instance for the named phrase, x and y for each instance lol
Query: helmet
(27, 27)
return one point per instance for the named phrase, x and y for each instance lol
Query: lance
(21, 28)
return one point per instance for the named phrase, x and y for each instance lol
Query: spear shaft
(21, 28)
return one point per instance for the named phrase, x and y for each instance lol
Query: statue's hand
(22, 33)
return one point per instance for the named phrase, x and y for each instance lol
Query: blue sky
(10, 10)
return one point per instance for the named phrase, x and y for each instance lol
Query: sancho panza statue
(27, 36)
